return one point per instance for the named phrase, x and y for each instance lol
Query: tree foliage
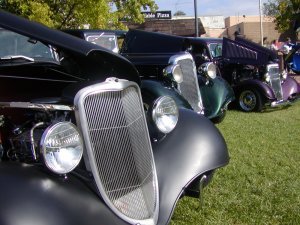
(60, 14)
(179, 13)
(285, 12)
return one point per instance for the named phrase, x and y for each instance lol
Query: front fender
(264, 89)
(194, 147)
(152, 89)
(216, 95)
(31, 196)
(290, 87)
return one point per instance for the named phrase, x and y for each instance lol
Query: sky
(212, 7)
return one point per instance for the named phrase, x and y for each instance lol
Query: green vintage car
(167, 66)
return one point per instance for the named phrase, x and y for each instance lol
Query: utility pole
(196, 19)
(261, 25)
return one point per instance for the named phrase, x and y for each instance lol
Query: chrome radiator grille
(119, 149)
(275, 80)
(189, 88)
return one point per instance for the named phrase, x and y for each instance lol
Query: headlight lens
(209, 69)
(165, 114)
(174, 72)
(61, 147)
(267, 77)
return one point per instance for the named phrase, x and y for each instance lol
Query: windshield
(13, 45)
(105, 41)
(215, 49)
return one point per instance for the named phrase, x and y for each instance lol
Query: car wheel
(250, 100)
(219, 118)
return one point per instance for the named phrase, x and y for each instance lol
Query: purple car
(253, 71)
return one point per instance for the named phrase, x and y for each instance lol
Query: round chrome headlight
(165, 114)
(267, 77)
(174, 72)
(61, 147)
(210, 69)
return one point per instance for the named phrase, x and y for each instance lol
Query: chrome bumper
(285, 102)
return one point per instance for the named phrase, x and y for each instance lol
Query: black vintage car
(78, 145)
(167, 68)
(255, 72)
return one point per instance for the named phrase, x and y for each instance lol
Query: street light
(196, 19)
(261, 25)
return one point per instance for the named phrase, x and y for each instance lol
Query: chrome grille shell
(118, 152)
(275, 80)
(189, 87)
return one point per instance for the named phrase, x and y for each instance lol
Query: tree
(102, 14)
(285, 12)
(179, 13)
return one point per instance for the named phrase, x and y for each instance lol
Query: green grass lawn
(261, 184)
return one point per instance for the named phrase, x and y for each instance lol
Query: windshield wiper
(14, 57)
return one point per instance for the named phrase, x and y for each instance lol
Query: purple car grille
(275, 81)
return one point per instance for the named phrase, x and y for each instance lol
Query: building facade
(213, 26)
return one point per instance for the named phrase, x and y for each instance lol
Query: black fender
(194, 147)
(30, 195)
(152, 89)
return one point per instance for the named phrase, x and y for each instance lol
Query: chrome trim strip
(32, 78)
(29, 105)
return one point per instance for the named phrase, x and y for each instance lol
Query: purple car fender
(264, 89)
(290, 87)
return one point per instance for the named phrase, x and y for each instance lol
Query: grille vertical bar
(275, 81)
(120, 152)
(189, 88)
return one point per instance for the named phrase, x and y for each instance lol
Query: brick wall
(182, 27)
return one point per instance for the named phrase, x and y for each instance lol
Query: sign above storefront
(158, 15)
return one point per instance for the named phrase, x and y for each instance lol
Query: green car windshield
(215, 49)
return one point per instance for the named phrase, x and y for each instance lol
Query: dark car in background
(254, 72)
(167, 67)
(78, 145)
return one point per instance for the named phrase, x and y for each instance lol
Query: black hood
(89, 57)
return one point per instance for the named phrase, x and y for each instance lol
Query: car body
(155, 55)
(77, 145)
(105, 38)
(201, 89)
(258, 79)
(292, 59)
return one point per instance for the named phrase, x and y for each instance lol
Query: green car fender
(216, 95)
(153, 89)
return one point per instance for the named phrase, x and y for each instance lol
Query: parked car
(167, 68)
(253, 71)
(77, 145)
(165, 61)
(105, 38)
(292, 59)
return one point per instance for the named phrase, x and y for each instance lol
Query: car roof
(46, 35)
(72, 45)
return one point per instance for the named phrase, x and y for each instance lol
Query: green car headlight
(209, 69)
(174, 72)
(165, 114)
(61, 147)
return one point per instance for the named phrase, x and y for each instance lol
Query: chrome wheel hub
(247, 100)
